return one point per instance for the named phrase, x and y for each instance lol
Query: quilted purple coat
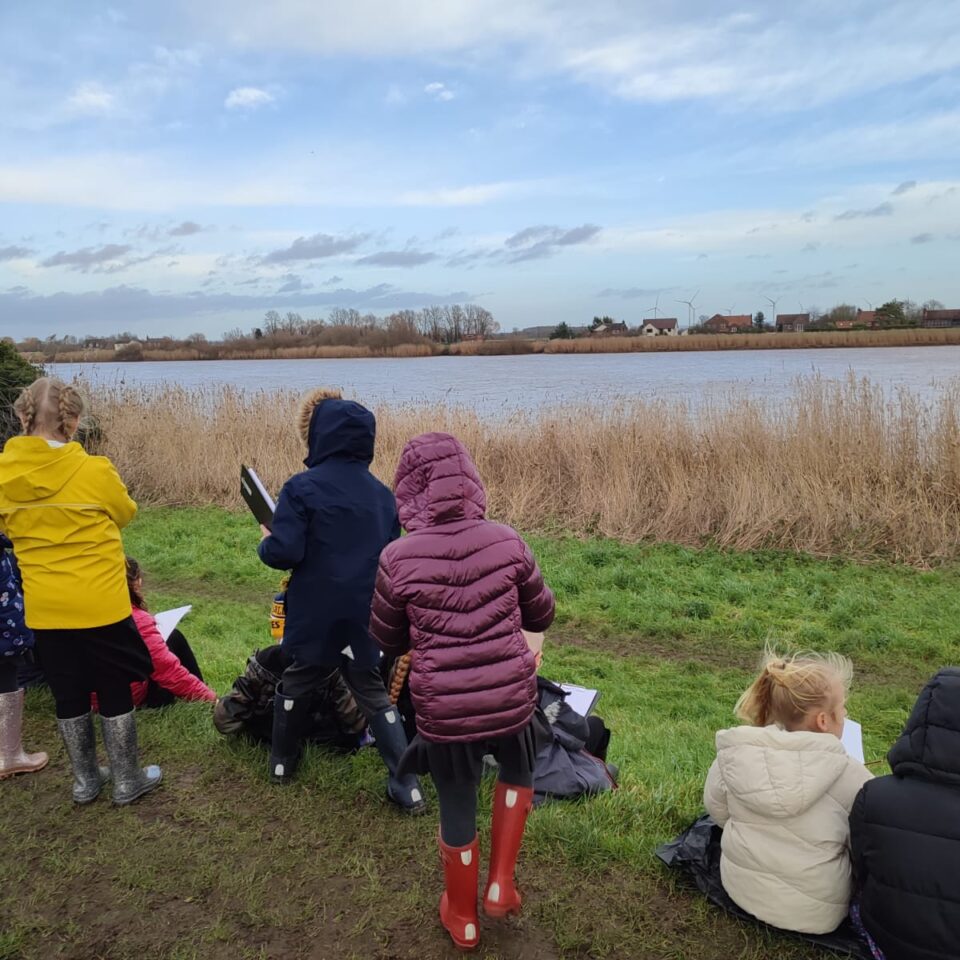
(456, 592)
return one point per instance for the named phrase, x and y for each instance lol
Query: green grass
(220, 864)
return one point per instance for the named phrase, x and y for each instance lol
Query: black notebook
(256, 496)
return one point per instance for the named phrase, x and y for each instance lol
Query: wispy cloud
(14, 253)
(89, 258)
(632, 293)
(248, 98)
(397, 258)
(439, 92)
(293, 284)
(881, 210)
(922, 238)
(457, 196)
(320, 246)
(185, 229)
(91, 98)
(536, 243)
(903, 188)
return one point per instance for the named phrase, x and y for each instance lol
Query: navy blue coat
(330, 525)
(15, 636)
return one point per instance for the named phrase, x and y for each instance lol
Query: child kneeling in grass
(782, 788)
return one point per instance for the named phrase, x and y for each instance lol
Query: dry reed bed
(839, 471)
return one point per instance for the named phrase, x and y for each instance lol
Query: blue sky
(183, 167)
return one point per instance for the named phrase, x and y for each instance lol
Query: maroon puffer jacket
(456, 591)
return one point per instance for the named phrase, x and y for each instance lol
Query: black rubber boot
(289, 720)
(405, 792)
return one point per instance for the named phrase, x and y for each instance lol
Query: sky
(184, 167)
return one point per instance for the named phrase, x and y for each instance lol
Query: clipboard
(256, 496)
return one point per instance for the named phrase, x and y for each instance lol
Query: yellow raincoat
(63, 510)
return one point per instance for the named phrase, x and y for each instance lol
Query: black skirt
(97, 658)
(463, 761)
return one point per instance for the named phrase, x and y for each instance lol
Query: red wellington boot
(458, 905)
(510, 808)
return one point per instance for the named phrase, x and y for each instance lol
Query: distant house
(609, 329)
(664, 326)
(120, 344)
(940, 318)
(97, 343)
(723, 323)
(846, 323)
(792, 322)
(866, 318)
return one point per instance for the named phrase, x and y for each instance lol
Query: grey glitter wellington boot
(80, 741)
(13, 759)
(130, 782)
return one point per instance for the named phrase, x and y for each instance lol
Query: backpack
(15, 636)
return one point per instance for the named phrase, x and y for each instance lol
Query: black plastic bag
(697, 852)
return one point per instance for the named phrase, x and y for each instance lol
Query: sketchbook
(257, 498)
(852, 739)
(167, 620)
(580, 699)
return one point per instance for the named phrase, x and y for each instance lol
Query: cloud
(89, 258)
(124, 306)
(439, 92)
(185, 229)
(333, 281)
(881, 210)
(395, 96)
(318, 247)
(91, 98)
(14, 253)
(903, 188)
(248, 98)
(397, 258)
(812, 247)
(457, 196)
(293, 284)
(922, 238)
(538, 242)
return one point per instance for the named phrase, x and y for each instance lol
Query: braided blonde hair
(310, 403)
(50, 406)
(789, 687)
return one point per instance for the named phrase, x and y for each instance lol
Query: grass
(840, 470)
(219, 864)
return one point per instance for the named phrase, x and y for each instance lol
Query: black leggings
(458, 802)
(365, 683)
(157, 696)
(8, 674)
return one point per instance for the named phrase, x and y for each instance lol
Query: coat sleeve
(116, 501)
(287, 543)
(715, 795)
(389, 625)
(858, 829)
(168, 671)
(846, 787)
(537, 604)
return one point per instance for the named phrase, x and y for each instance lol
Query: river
(493, 385)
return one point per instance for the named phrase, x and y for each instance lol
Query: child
(331, 523)
(15, 640)
(63, 510)
(782, 789)
(905, 834)
(458, 592)
(175, 673)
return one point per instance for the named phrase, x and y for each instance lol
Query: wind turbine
(773, 304)
(730, 310)
(689, 304)
(655, 308)
(869, 303)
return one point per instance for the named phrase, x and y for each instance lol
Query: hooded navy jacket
(330, 525)
(905, 834)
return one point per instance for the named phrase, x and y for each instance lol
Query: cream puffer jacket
(783, 800)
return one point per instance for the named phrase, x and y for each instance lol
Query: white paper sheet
(580, 699)
(852, 739)
(167, 620)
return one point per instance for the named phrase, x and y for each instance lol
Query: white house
(665, 326)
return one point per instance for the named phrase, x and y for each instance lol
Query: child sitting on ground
(782, 788)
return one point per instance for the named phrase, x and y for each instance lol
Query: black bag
(247, 710)
(697, 852)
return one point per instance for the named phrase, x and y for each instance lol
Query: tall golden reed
(835, 469)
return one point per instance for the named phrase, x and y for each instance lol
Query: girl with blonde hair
(782, 787)
(63, 510)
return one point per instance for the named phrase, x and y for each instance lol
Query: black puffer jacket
(905, 834)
